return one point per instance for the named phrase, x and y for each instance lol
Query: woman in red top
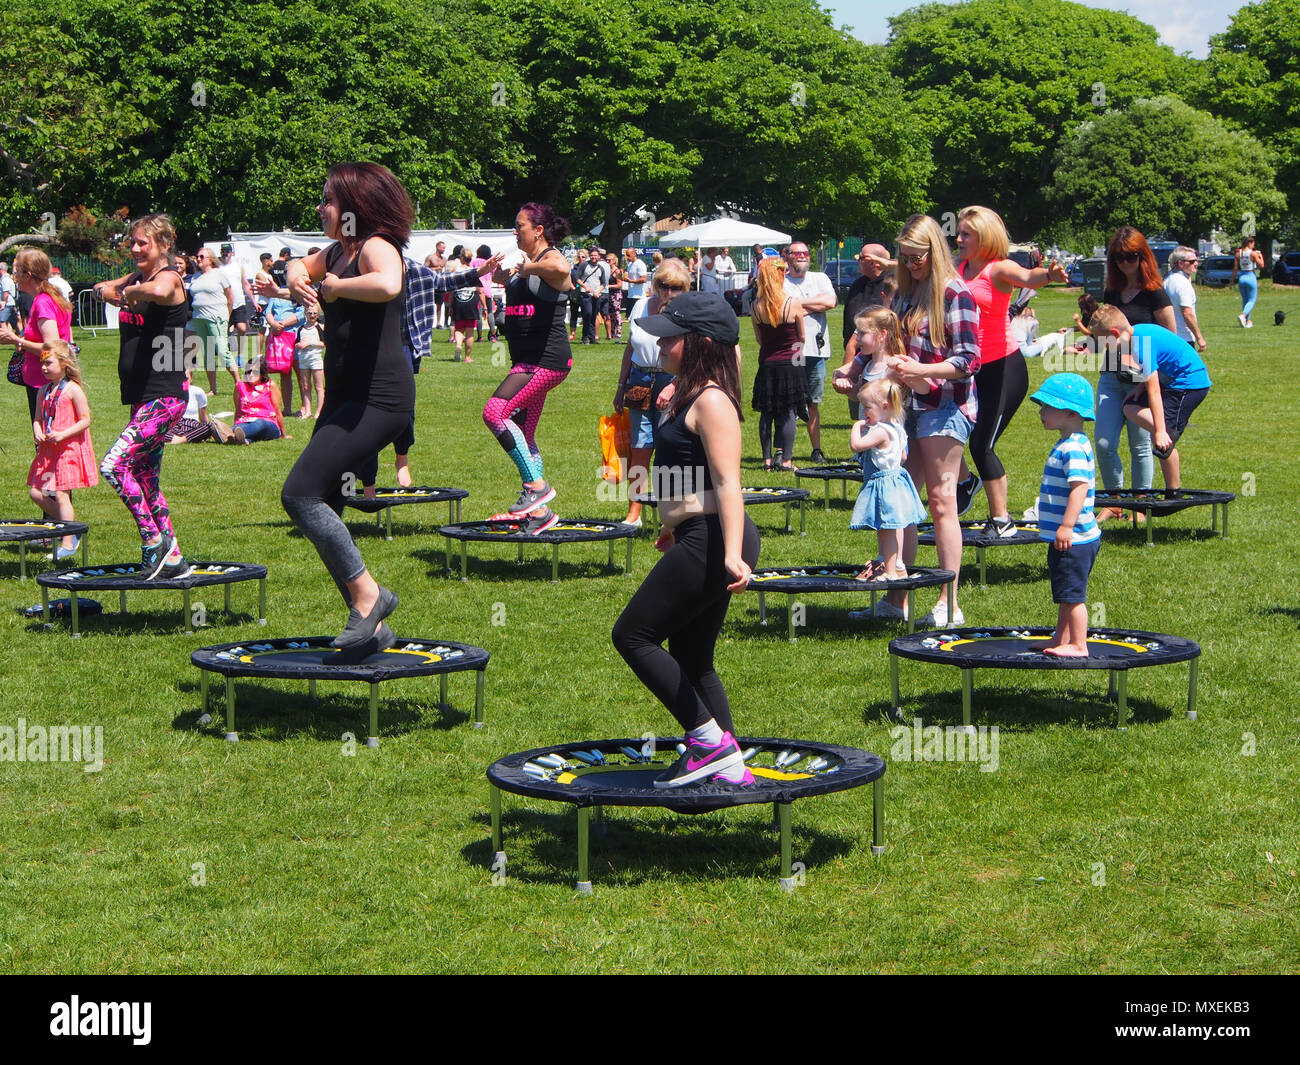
(50, 320)
(1002, 380)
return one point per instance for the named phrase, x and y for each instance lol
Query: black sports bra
(681, 467)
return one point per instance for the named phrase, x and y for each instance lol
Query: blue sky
(1184, 25)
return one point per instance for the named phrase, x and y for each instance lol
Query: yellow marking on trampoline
(1139, 648)
(428, 656)
(777, 774)
(568, 777)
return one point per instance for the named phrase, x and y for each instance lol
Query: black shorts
(239, 315)
(1069, 571)
(1178, 404)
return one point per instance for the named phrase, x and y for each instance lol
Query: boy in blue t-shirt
(1171, 381)
(1065, 517)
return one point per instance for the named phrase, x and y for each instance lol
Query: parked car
(1074, 273)
(1162, 250)
(842, 272)
(1286, 271)
(1215, 270)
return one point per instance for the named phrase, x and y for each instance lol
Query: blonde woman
(644, 386)
(941, 330)
(780, 385)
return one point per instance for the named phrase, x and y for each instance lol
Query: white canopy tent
(721, 233)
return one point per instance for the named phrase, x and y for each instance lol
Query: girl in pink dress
(65, 456)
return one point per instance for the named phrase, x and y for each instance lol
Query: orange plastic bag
(615, 445)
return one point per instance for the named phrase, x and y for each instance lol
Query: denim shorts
(1069, 571)
(643, 423)
(947, 420)
(815, 370)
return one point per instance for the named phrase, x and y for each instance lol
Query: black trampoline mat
(312, 657)
(571, 531)
(838, 471)
(626, 777)
(839, 577)
(974, 534)
(1018, 649)
(130, 577)
(753, 495)
(392, 497)
(1160, 501)
(37, 529)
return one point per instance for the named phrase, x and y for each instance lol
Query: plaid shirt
(961, 318)
(423, 287)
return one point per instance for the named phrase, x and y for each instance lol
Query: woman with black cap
(710, 546)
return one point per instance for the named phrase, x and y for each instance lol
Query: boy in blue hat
(1065, 518)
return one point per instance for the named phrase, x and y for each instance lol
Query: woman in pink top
(50, 320)
(259, 409)
(1002, 380)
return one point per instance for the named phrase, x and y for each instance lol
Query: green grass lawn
(1169, 847)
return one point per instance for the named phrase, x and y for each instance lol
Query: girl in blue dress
(888, 501)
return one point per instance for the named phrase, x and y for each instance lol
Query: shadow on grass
(270, 710)
(1005, 573)
(1281, 611)
(819, 621)
(533, 567)
(1122, 533)
(161, 622)
(1015, 710)
(642, 845)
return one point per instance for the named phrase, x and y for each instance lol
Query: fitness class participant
(536, 304)
(710, 545)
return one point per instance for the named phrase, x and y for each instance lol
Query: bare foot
(403, 477)
(1066, 650)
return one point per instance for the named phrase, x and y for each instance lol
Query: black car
(842, 272)
(1286, 271)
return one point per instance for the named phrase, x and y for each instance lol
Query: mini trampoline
(974, 534)
(1114, 650)
(21, 532)
(601, 773)
(844, 472)
(1154, 502)
(816, 580)
(128, 578)
(387, 498)
(757, 495)
(575, 531)
(313, 659)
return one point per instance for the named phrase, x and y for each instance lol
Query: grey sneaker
(540, 521)
(154, 559)
(818, 458)
(531, 499)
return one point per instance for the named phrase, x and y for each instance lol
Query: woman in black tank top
(369, 388)
(710, 546)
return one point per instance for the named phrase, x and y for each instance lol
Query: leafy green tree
(1164, 167)
(999, 83)
(1253, 79)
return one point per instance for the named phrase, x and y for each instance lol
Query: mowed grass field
(1168, 847)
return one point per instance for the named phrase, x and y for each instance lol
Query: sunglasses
(1127, 257)
(671, 288)
(915, 260)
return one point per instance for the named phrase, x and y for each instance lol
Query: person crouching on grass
(1065, 518)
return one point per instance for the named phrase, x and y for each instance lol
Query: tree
(1163, 167)
(1253, 79)
(999, 83)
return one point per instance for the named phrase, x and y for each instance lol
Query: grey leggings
(345, 436)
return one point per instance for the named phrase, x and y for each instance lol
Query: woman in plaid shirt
(941, 330)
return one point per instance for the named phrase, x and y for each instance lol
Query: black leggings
(684, 600)
(1000, 387)
(313, 493)
(781, 427)
(368, 471)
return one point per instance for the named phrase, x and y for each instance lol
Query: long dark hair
(554, 228)
(1128, 239)
(705, 360)
(376, 200)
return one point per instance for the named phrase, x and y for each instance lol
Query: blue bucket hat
(1067, 391)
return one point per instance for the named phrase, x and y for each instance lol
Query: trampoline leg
(494, 806)
(519, 559)
(762, 608)
(478, 698)
(457, 502)
(878, 816)
(1225, 521)
(227, 590)
(555, 564)
(442, 692)
(893, 688)
(583, 885)
(75, 600)
(627, 563)
(1111, 692)
(45, 603)
(231, 734)
(121, 601)
(86, 536)
(844, 490)
(373, 739)
(610, 563)
(1150, 526)
(788, 527)
(828, 494)
(22, 560)
(464, 559)
(789, 614)
(388, 523)
(1214, 517)
(311, 689)
(783, 822)
(1191, 682)
(203, 694)
(803, 519)
(189, 616)
(910, 599)
(979, 557)
(967, 683)
(261, 600)
(1123, 699)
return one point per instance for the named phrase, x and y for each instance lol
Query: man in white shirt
(636, 277)
(1181, 293)
(815, 291)
(233, 271)
(8, 294)
(56, 279)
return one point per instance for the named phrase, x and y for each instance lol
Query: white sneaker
(1032, 513)
(1242, 319)
(886, 611)
(938, 617)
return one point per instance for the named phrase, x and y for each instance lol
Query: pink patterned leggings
(134, 462)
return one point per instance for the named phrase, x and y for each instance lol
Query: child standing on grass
(888, 501)
(877, 336)
(65, 456)
(1065, 517)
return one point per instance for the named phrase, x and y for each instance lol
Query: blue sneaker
(154, 558)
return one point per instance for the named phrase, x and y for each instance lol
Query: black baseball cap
(226, 249)
(704, 313)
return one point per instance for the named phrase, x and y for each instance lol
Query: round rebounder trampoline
(23, 533)
(129, 578)
(819, 580)
(313, 659)
(1114, 650)
(1159, 503)
(572, 531)
(381, 506)
(844, 472)
(757, 495)
(975, 534)
(599, 773)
